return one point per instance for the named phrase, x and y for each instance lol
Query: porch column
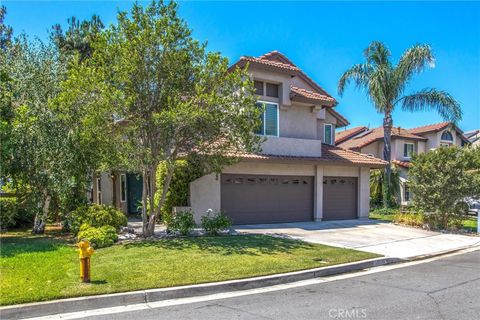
(364, 192)
(318, 192)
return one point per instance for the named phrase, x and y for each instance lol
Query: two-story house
(300, 175)
(405, 142)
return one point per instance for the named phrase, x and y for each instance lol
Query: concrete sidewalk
(374, 236)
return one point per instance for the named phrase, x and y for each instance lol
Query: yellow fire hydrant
(86, 252)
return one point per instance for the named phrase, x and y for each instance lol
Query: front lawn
(36, 268)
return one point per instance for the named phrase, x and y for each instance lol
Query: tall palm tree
(385, 84)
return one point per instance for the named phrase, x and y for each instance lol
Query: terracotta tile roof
(270, 63)
(430, 128)
(376, 134)
(279, 60)
(438, 127)
(295, 91)
(404, 164)
(343, 135)
(329, 154)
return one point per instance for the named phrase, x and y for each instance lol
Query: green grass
(37, 268)
(383, 217)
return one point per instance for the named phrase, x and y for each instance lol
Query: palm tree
(385, 85)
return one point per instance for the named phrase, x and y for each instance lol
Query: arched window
(447, 136)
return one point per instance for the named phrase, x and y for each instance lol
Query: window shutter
(271, 115)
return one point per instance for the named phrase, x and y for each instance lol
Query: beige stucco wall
(373, 149)
(107, 190)
(364, 193)
(325, 117)
(205, 192)
(292, 147)
(298, 122)
(205, 195)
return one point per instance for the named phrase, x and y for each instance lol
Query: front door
(134, 191)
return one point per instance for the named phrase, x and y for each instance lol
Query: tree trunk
(145, 228)
(41, 217)
(387, 156)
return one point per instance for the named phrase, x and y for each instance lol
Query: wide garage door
(249, 199)
(339, 198)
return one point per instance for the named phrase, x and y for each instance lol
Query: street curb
(47, 308)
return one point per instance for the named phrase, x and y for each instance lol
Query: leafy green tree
(442, 179)
(168, 97)
(38, 155)
(78, 38)
(385, 85)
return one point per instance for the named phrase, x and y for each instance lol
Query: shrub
(414, 219)
(13, 214)
(385, 211)
(441, 179)
(8, 212)
(185, 172)
(96, 216)
(183, 222)
(99, 237)
(214, 223)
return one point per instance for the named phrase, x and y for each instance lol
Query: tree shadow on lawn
(12, 245)
(228, 245)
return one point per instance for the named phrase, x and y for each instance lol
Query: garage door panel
(267, 199)
(339, 198)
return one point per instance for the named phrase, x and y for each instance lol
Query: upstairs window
(407, 150)
(258, 87)
(266, 89)
(328, 133)
(447, 136)
(272, 90)
(269, 119)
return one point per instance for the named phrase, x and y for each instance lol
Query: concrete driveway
(368, 235)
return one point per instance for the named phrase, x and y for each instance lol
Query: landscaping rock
(127, 236)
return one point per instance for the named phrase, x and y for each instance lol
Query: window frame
(264, 119)
(123, 187)
(99, 190)
(406, 191)
(325, 125)
(446, 140)
(406, 156)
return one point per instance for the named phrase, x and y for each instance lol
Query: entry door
(339, 198)
(249, 199)
(134, 192)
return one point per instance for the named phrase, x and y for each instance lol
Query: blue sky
(322, 38)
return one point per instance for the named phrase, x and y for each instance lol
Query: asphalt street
(448, 288)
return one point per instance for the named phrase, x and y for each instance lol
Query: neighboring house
(473, 137)
(405, 142)
(300, 175)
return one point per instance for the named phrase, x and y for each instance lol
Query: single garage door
(339, 198)
(249, 199)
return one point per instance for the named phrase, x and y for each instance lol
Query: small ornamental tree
(442, 179)
(169, 97)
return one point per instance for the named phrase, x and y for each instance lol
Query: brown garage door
(339, 198)
(267, 199)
